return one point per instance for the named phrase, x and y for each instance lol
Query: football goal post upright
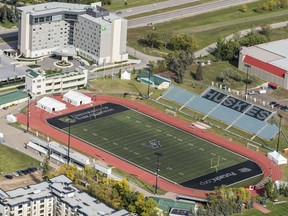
(215, 162)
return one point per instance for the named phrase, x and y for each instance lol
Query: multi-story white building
(96, 33)
(58, 197)
(39, 84)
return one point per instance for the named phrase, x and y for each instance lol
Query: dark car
(8, 176)
(119, 12)
(283, 107)
(272, 103)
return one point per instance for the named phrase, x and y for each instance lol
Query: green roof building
(156, 81)
(12, 98)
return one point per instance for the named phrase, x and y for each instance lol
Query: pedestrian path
(261, 208)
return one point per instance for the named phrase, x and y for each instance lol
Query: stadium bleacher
(228, 109)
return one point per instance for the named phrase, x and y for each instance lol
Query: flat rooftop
(52, 7)
(9, 68)
(12, 96)
(274, 53)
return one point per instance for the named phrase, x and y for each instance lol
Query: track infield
(184, 158)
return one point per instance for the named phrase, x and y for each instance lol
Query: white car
(129, 10)
(15, 174)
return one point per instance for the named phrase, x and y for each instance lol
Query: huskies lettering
(258, 113)
(235, 104)
(215, 96)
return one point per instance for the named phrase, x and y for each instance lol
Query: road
(184, 12)
(152, 7)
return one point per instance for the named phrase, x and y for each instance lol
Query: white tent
(277, 158)
(11, 118)
(76, 98)
(50, 104)
(125, 75)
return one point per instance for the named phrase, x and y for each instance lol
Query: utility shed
(76, 98)
(50, 104)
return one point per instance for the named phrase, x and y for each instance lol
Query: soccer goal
(215, 162)
(253, 147)
(170, 112)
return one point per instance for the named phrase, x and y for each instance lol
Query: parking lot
(20, 181)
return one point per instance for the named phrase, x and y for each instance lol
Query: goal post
(215, 162)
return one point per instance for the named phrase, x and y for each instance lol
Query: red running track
(38, 122)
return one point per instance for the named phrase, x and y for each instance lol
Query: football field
(140, 140)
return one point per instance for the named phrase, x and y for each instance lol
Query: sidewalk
(261, 208)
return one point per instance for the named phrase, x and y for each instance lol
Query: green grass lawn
(120, 4)
(210, 26)
(12, 160)
(276, 210)
(127, 134)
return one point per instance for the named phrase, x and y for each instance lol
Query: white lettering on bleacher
(217, 178)
(92, 113)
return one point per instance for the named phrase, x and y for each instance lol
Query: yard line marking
(136, 153)
(94, 134)
(148, 126)
(224, 159)
(105, 139)
(169, 135)
(138, 121)
(158, 130)
(180, 140)
(180, 173)
(212, 153)
(114, 143)
(128, 117)
(169, 168)
(126, 148)
(147, 158)
(201, 149)
(84, 129)
(190, 144)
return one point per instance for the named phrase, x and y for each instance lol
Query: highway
(185, 12)
(152, 7)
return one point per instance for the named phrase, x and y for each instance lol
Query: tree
(165, 37)
(271, 190)
(45, 168)
(244, 8)
(178, 62)
(199, 73)
(153, 40)
(183, 42)
(266, 30)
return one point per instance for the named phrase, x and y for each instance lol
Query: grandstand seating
(178, 95)
(225, 114)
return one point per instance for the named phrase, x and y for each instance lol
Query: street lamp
(157, 170)
(280, 116)
(247, 66)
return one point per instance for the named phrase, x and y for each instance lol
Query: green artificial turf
(127, 135)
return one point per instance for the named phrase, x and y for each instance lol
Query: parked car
(15, 174)
(8, 176)
(119, 12)
(129, 10)
(272, 103)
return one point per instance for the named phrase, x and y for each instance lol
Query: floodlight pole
(280, 116)
(28, 115)
(157, 170)
(149, 84)
(246, 88)
(69, 138)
